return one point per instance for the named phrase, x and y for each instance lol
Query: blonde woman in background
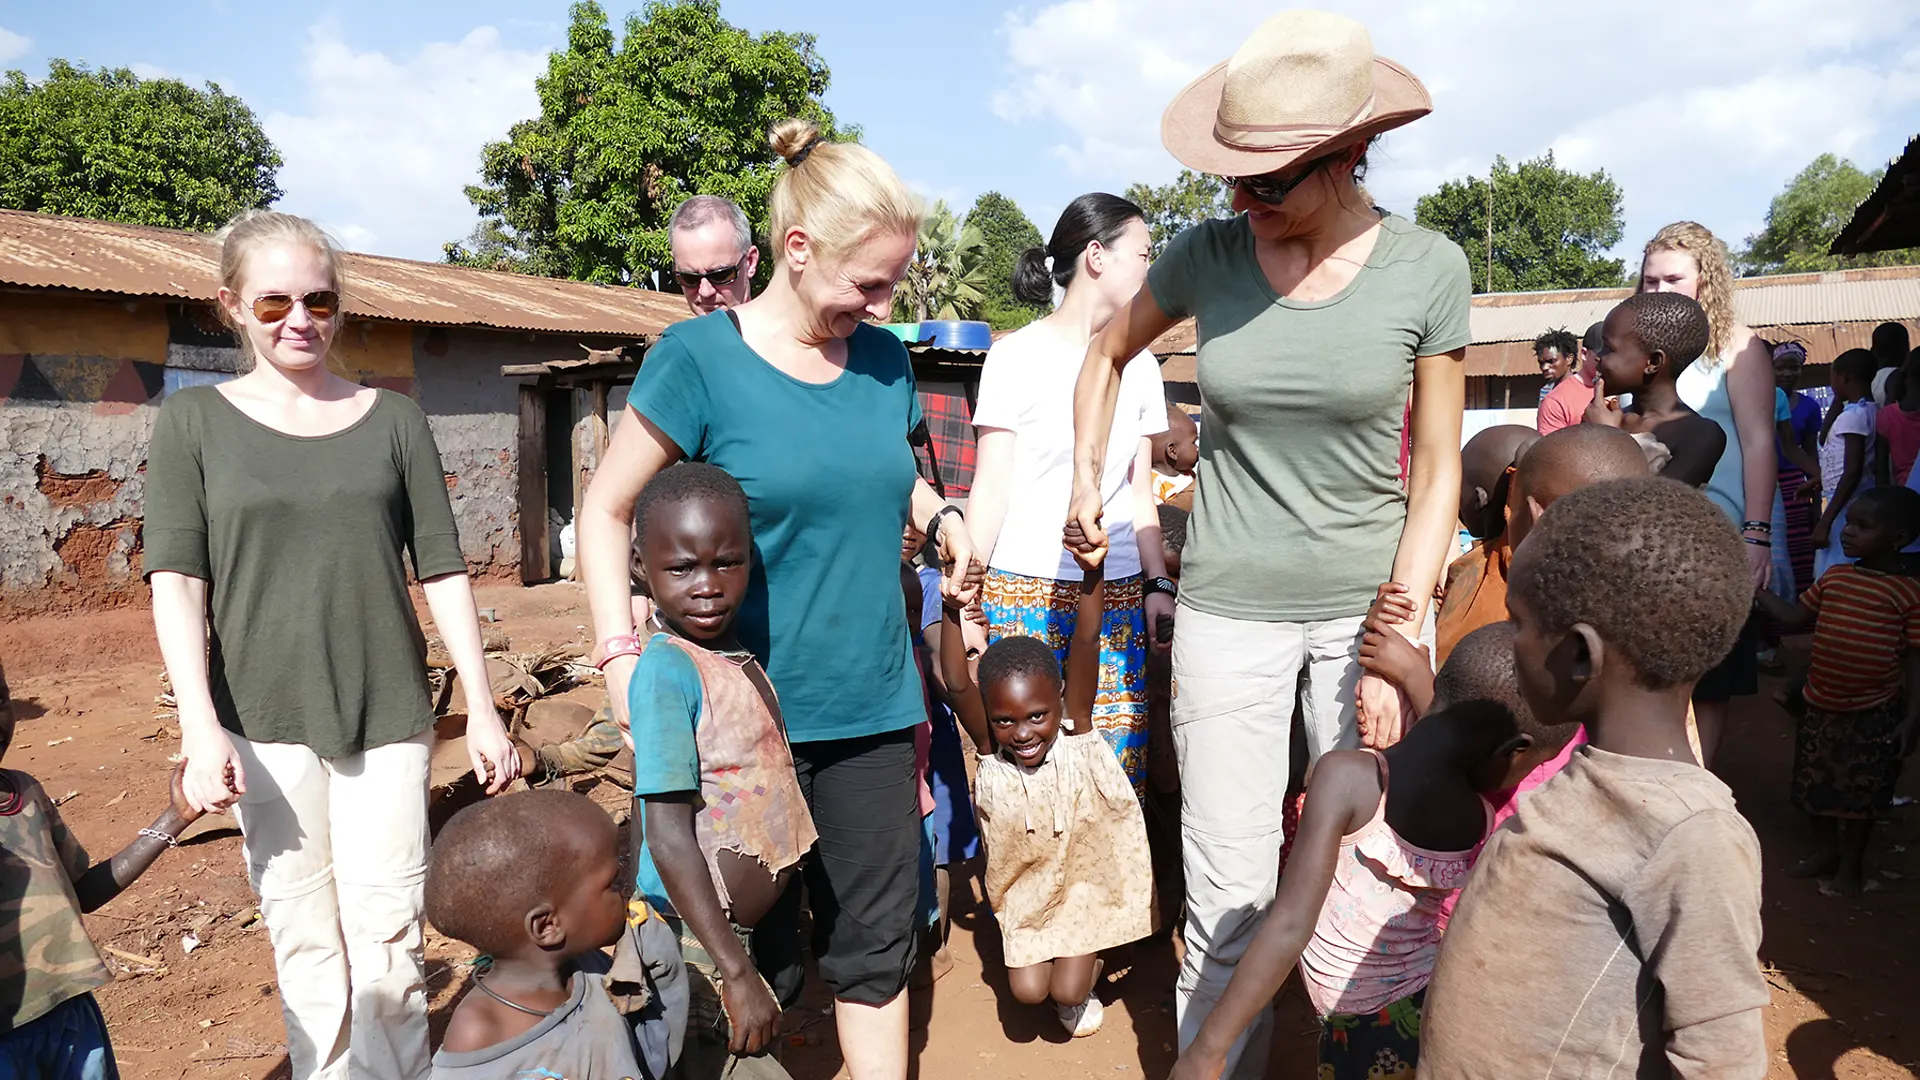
(1732, 385)
(278, 508)
(810, 408)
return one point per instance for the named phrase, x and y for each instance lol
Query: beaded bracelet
(1757, 526)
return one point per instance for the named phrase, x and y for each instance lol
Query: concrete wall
(80, 381)
(476, 422)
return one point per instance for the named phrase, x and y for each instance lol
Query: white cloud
(1696, 110)
(12, 46)
(383, 147)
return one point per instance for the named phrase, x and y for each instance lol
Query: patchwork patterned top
(46, 957)
(701, 724)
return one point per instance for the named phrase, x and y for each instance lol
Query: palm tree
(947, 277)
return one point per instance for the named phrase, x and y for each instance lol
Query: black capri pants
(863, 877)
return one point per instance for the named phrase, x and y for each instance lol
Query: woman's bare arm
(992, 484)
(604, 535)
(1095, 396)
(491, 753)
(1750, 391)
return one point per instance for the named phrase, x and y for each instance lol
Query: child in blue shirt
(719, 819)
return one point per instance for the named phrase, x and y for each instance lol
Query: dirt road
(85, 687)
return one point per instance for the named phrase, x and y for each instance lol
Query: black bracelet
(1164, 586)
(933, 523)
(1758, 543)
(1757, 526)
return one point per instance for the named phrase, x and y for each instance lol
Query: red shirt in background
(1565, 405)
(1902, 431)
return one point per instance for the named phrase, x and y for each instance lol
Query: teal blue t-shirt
(828, 476)
(663, 704)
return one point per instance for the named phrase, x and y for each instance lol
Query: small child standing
(719, 819)
(50, 1025)
(1612, 926)
(533, 881)
(1475, 590)
(1862, 701)
(1358, 905)
(1066, 844)
(1176, 454)
(1646, 342)
(1847, 442)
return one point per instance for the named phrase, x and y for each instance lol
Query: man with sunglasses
(713, 253)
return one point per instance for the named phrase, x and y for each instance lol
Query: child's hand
(962, 592)
(1603, 410)
(976, 614)
(1822, 532)
(752, 1014)
(1392, 657)
(1087, 553)
(1160, 608)
(1391, 604)
(177, 792)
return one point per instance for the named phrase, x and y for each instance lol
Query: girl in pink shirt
(1384, 838)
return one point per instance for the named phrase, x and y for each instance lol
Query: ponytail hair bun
(1032, 279)
(845, 194)
(793, 139)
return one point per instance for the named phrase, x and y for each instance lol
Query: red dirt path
(85, 685)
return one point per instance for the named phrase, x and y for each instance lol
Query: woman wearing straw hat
(1317, 315)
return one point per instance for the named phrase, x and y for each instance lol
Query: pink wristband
(614, 648)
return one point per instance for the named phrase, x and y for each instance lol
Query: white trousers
(1235, 688)
(337, 850)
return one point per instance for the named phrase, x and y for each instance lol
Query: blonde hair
(251, 230)
(837, 193)
(1716, 280)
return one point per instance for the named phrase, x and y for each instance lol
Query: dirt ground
(85, 686)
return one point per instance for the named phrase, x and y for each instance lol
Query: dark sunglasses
(691, 279)
(1270, 189)
(276, 306)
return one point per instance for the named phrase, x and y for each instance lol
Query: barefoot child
(533, 880)
(50, 1025)
(1358, 905)
(718, 815)
(1612, 926)
(1861, 699)
(1066, 845)
(1647, 341)
(1176, 454)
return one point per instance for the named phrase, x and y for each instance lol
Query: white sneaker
(1083, 1019)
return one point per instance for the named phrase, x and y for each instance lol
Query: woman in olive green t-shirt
(1317, 316)
(277, 509)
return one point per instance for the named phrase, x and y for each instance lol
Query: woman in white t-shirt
(1024, 477)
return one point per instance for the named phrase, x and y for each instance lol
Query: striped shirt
(1866, 621)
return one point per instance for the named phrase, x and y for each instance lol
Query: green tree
(108, 144)
(1007, 232)
(1191, 198)
(948, 275)
(680, 105)
(1806, 216)
(1552, 227)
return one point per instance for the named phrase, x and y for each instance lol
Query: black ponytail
(1093, 217)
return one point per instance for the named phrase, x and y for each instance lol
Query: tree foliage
(680, 105)
(948, 275)
(1007, 232)
(1806, 216)
(1171, 209)
(107, 144)
(1552, 227)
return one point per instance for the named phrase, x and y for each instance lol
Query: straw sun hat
(1305, 84)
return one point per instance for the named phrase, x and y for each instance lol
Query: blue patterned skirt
(1046, 608)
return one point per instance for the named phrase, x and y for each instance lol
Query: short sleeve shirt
(1299, 505)
(1856, 418)
(46, 957)
(1866, 622)
(1026, 387)
(828, 475)
(313, 638)
(664, 699)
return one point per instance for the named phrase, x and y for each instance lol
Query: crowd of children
(1611, 928)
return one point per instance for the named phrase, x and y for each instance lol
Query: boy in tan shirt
(1613, 924)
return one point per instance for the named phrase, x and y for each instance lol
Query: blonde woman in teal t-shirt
(1320, 319)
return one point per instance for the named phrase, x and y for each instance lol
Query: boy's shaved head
(1576, 457)
(498, 859)
(1483, 465)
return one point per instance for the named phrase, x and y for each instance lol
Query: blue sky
(1700, 110)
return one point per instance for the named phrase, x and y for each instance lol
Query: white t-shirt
(1026, 387)
(1858, 418)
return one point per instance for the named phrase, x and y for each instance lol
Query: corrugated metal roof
(100, 256)
(1875, 295)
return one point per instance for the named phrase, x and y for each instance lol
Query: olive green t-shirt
(313, 636)
(1299, 504)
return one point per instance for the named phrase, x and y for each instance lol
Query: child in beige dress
(1068, 872)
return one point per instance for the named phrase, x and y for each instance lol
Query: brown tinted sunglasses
(273, 307)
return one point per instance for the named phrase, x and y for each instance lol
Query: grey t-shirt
(313, 636)
(1299, 505)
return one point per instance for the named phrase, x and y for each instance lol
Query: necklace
(489, 991)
